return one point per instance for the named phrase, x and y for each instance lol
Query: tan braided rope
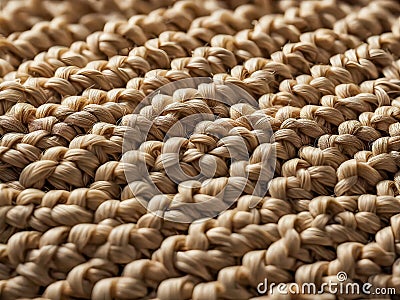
(94, 99)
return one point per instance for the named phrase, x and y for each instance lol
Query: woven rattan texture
(326, 75)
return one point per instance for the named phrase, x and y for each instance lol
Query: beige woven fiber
(199, 149)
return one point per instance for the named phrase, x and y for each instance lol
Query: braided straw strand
(205, 150)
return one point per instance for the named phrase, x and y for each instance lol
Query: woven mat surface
(199, 149)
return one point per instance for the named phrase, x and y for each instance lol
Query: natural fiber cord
(199, 149)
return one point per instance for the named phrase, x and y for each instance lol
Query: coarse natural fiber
(76, 79)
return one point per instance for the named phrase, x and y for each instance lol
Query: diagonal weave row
(74, 77)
